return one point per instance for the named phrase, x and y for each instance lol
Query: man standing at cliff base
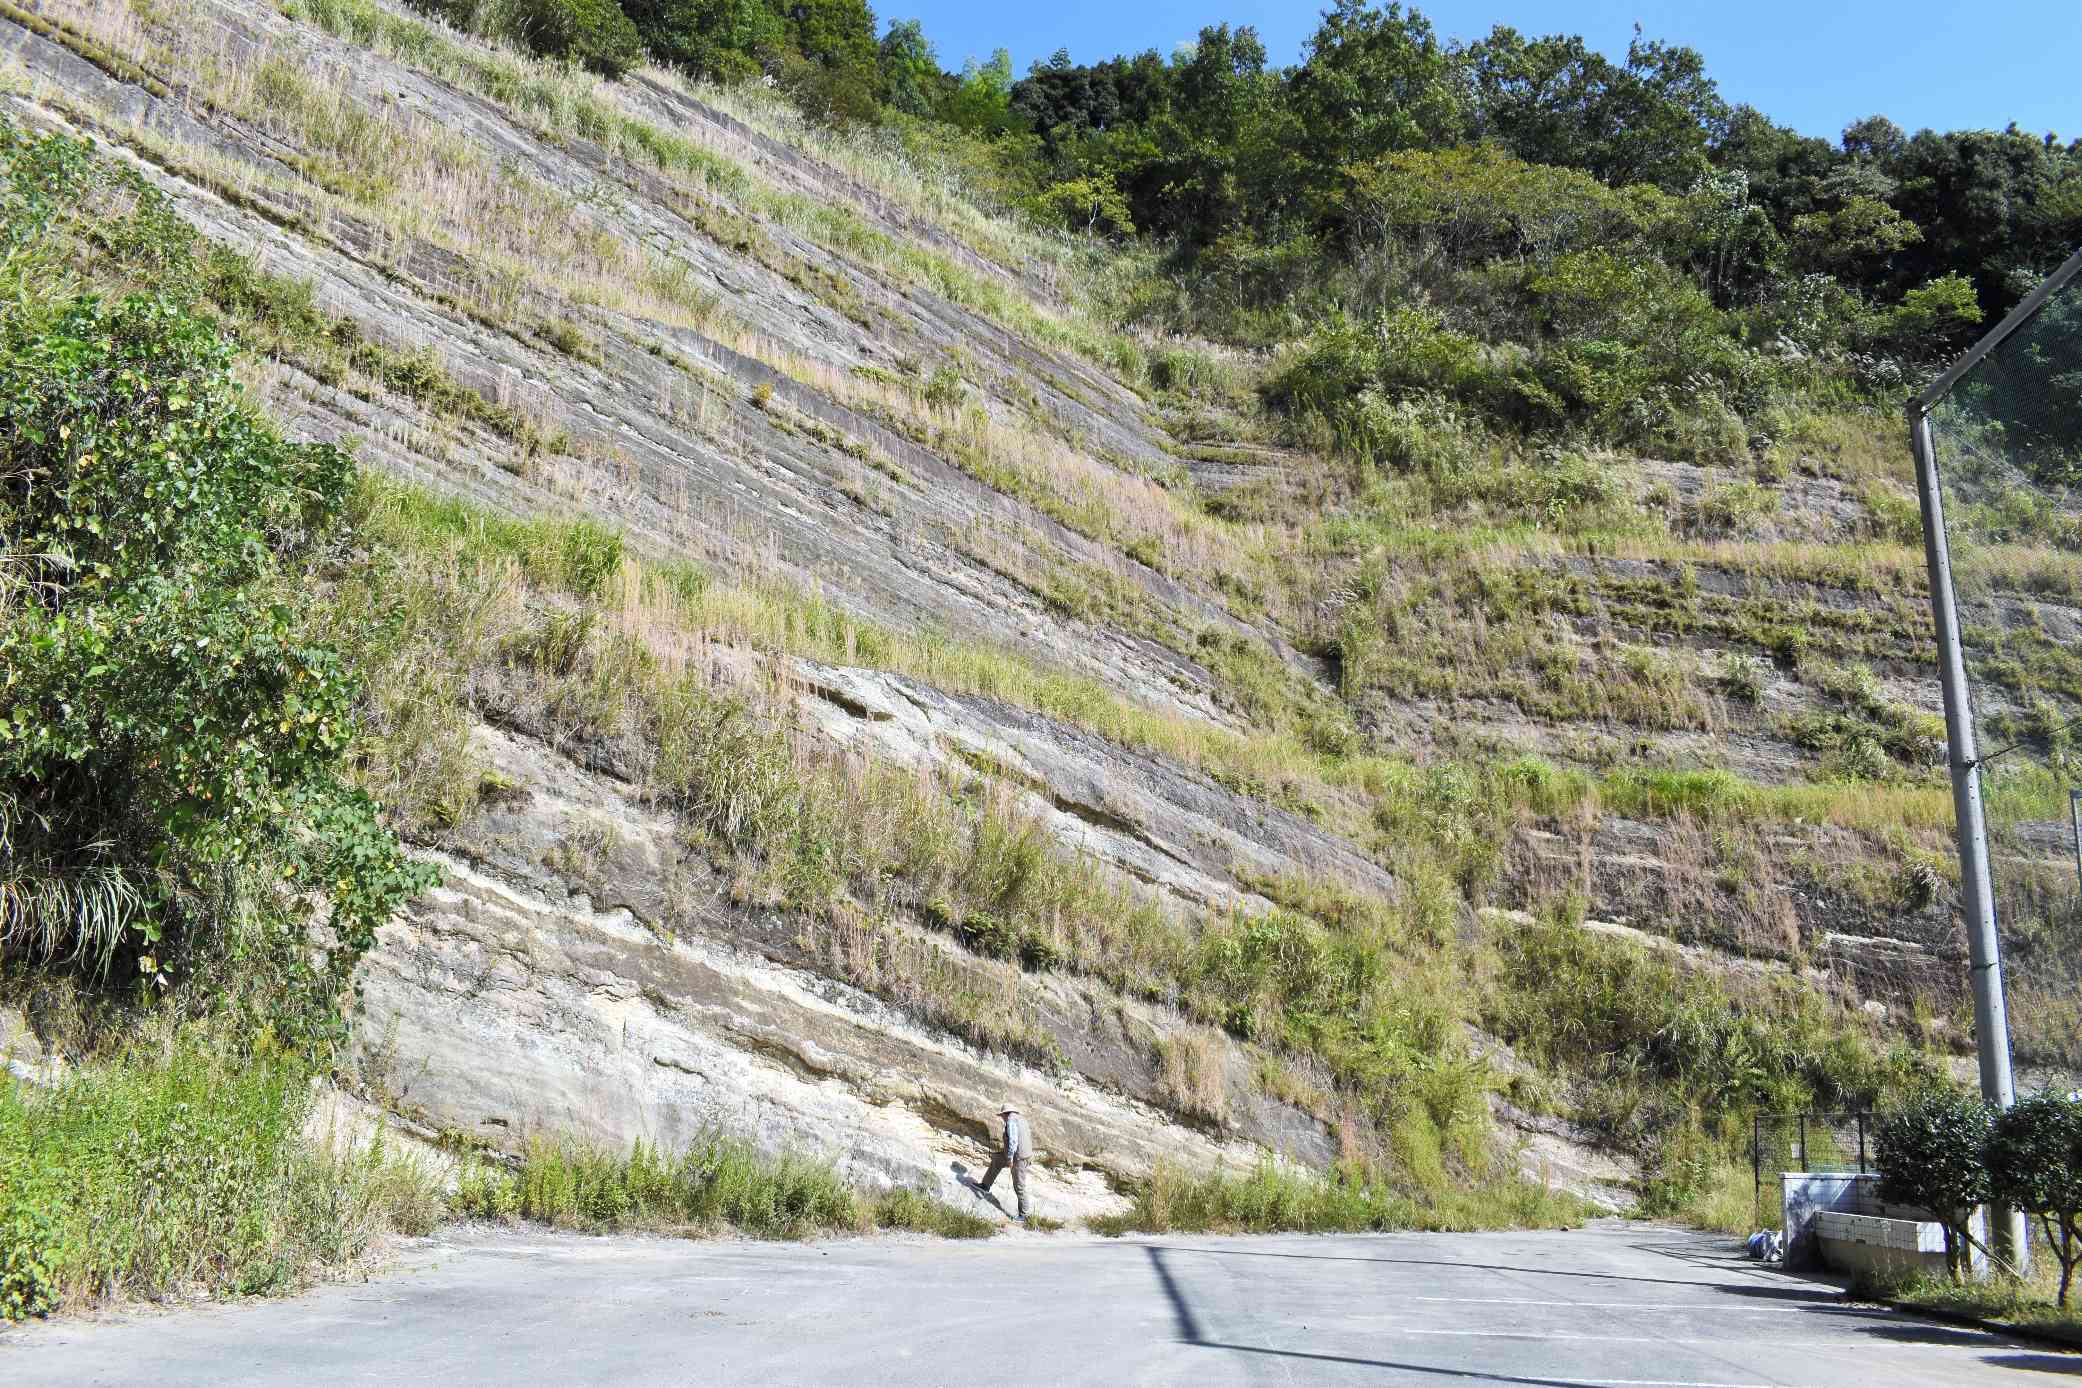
(1013, 1154)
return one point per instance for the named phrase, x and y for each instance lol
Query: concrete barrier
(1805, 1196)
(1871, 1243)
(1836, 1220)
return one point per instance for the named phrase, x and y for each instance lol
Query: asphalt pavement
(1623, 1304)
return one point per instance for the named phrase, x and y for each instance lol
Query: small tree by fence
(2035, 1164)
(1933, 1154)
(1948, 1153)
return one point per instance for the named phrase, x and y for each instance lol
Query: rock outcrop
(748, 360)
(581, 972)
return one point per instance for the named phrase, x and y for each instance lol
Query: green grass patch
(1273, 1198)
(178, 1168)
(718, 1183)
(2013, 1303)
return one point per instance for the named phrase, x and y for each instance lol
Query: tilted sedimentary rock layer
(507, 1004)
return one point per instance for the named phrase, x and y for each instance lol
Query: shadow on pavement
(1909, 1332)
(961, 1174)
(1894, 1327)
(1190, 1333)
(1806, 1295)
(1788, 1293)
(2037, 1363)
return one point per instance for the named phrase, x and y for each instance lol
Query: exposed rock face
(583, 970)
(506, 1005)
(1144, 817)
(666, 440)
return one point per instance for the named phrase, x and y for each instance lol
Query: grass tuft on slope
(717, 1183)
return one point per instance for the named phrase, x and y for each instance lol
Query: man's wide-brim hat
(1008, 1109)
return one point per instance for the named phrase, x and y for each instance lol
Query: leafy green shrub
(1474, 202)
(566, 337)
(1743, 677)
(165, 721)
(180, 1163)
(1091, 205)
(592, 33)
(1351, 374)
(1933, 1154)
(944, 389)
(28, 1284)
(2035, 1165)
(722, 40)
(1934, 314)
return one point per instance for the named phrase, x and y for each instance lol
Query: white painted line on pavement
(1655, 1383)
(1653, 1305)
(1863, 1347)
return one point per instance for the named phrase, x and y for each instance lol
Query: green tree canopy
(1555, 100)
(909, 76)
(2035, 1163)
(981, 102)
(1375, 81)
(726, 40)
(1933, 1155)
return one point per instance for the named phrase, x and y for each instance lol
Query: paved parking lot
(1621, 1304)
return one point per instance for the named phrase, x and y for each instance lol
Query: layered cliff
(925, 514)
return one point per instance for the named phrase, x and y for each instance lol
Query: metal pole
(1756, 1164)
(2075, 820)
(1976, 894)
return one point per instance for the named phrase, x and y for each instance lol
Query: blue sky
(1815, 65)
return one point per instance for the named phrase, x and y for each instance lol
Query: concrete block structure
(1836, 1220)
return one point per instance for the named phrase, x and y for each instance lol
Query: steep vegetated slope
(844, 680)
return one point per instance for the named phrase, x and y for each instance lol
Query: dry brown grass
(530, 244)
(1192, 1063)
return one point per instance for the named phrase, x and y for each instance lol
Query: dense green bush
(725, 40)
(179, 1165)
(164, 721)
(28, 1240)
(2035, 1165)
(1933, 1154)
(1402, 352)
(595, 34)
(173, 744)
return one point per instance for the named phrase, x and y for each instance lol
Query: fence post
(1861, 1144)
(1756, 1165)
(1803, 1142)
(2075, 820)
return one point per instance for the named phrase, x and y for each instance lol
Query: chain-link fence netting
(2007, 436)
(1782, 1142)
